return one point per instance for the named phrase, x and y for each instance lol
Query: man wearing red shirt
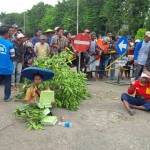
(141, 100)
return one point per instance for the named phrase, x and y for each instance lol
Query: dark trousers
(6, 80)
(137, 101)
(138, 69)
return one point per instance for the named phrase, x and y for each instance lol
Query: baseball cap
(20, 35)
(14, 26)
(147, 33)
(56, 28)
(43, 37)
(137, 41)
(106, 39)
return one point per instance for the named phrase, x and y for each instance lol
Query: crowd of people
(18, 51)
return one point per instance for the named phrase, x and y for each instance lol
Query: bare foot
(131, 112)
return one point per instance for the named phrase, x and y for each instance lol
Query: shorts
(135, 101)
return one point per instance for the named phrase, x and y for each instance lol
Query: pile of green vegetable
(32, 115)
(70, 87)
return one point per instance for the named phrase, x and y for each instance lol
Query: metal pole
(77, 16)
(24, 22)
(79, 63)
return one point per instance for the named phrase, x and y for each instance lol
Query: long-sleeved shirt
(19, 52)
(140, 90)
(143, 53)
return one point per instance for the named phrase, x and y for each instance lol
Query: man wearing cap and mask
(141, 52)
(42, 48)
(18, 60)
(58, 41)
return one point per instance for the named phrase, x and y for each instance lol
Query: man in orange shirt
(104, 46)
(141, 100)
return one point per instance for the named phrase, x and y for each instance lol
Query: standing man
(141, 54)
(7, 52)
(58, 41)
(49, 33)
(105, 55)
(42, 48)
(18, 60)
(93, 64)
(36, 37)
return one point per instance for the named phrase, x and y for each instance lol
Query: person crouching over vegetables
(37, 76)
(141, 89)
(33, 92)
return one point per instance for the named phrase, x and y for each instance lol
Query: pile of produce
(69, 86)
(32, 115)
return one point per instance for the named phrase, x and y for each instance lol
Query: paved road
(100, 124)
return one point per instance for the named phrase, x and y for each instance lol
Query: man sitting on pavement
(141, 100)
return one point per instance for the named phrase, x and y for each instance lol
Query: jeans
(16, 73)
(6, 79)
(135, 101)
(103, 63)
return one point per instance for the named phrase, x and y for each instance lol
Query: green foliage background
(117, 16)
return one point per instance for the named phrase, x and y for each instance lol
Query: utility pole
(24, 22)
(79, 62)
(77, 16)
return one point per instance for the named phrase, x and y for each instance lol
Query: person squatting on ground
(33, 92)
(7, 53)
(141, 89)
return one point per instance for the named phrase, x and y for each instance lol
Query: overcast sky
(21, 5)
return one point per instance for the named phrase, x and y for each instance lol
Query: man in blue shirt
(141, 52)
(7, 52)
(36, 38)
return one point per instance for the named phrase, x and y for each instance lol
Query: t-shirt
(140, 90)
(42, 50)
(35, 40)
(6, 53)
(143, 53)
(92, 47)
(103, 46)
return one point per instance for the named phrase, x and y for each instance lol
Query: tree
(136, 12)
(12, 18)
(117, 16)
(34, 16)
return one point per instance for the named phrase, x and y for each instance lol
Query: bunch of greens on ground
(32, 115)
(70, 87)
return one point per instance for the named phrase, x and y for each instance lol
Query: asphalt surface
(101, 123)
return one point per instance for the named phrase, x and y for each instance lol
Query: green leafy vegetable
(32, 115)
(70, 87)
